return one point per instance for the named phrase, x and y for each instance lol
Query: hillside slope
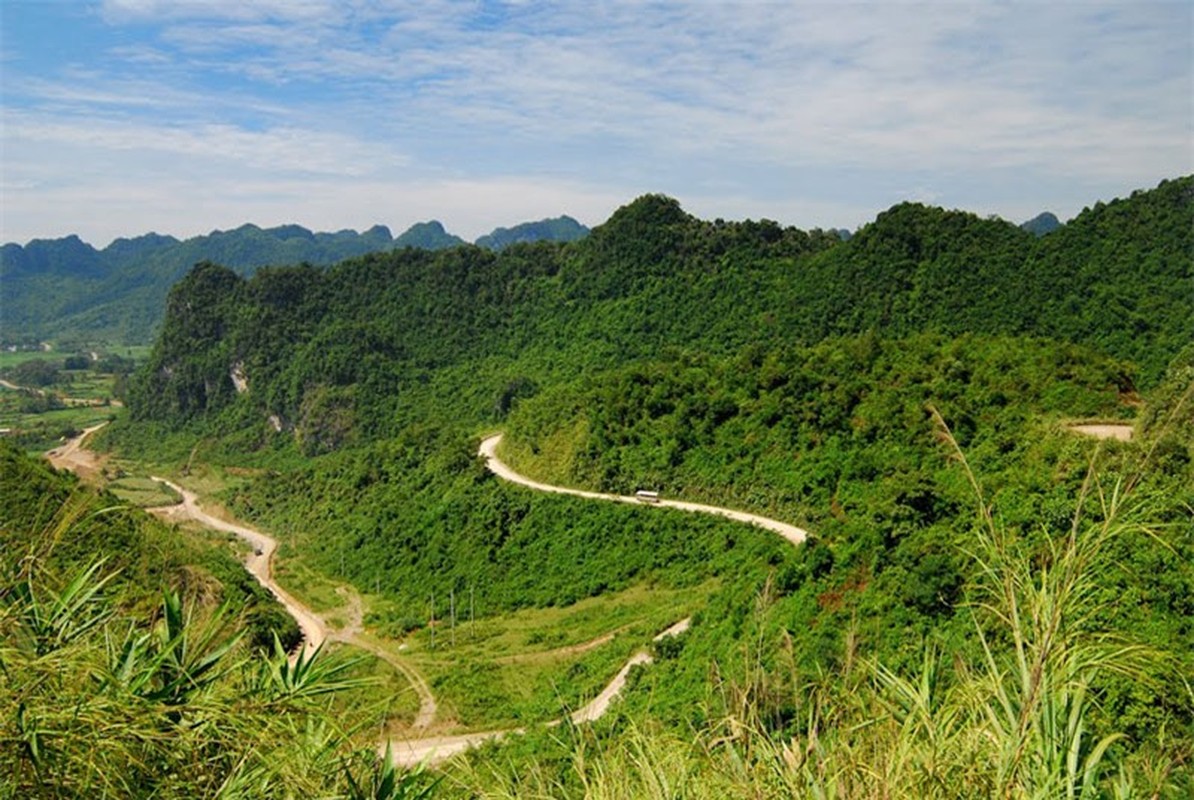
(363, 346)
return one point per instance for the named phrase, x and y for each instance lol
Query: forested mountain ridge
(66, 287)
(1117, 278)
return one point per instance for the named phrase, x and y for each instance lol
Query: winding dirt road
(409, 752)
(497, 467)
(437, 749)
(259, 563)
(73, 456)
(433, 750)
(315, 631)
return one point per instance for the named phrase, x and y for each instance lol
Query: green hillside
(989, 604)
(53, 527)
(372, 339)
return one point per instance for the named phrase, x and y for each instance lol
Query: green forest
(66, 290)
(989, 601)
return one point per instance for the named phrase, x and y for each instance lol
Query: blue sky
(185, 116)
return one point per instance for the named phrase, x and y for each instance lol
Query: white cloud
(123, 11)
(742, 102)
(287, 150)
(789, 82)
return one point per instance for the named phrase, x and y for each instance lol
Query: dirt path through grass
(259, 563)
(437, 749)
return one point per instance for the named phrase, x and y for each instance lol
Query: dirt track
(315, 632)
(72, 456)
(1120, 431)
(497, 467)
(259, 563)
(437, 749)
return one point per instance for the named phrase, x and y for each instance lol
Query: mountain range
(55, 288)
(652, 279)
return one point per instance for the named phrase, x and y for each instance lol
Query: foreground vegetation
(1020, 719)
(99, 704)
(1023, 715)
(55, 527)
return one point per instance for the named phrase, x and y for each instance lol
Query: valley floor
(406, 750)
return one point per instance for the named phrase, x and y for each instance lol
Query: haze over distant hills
(62, 287)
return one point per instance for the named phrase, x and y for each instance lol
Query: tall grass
(96, 705)
(1016, 724)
